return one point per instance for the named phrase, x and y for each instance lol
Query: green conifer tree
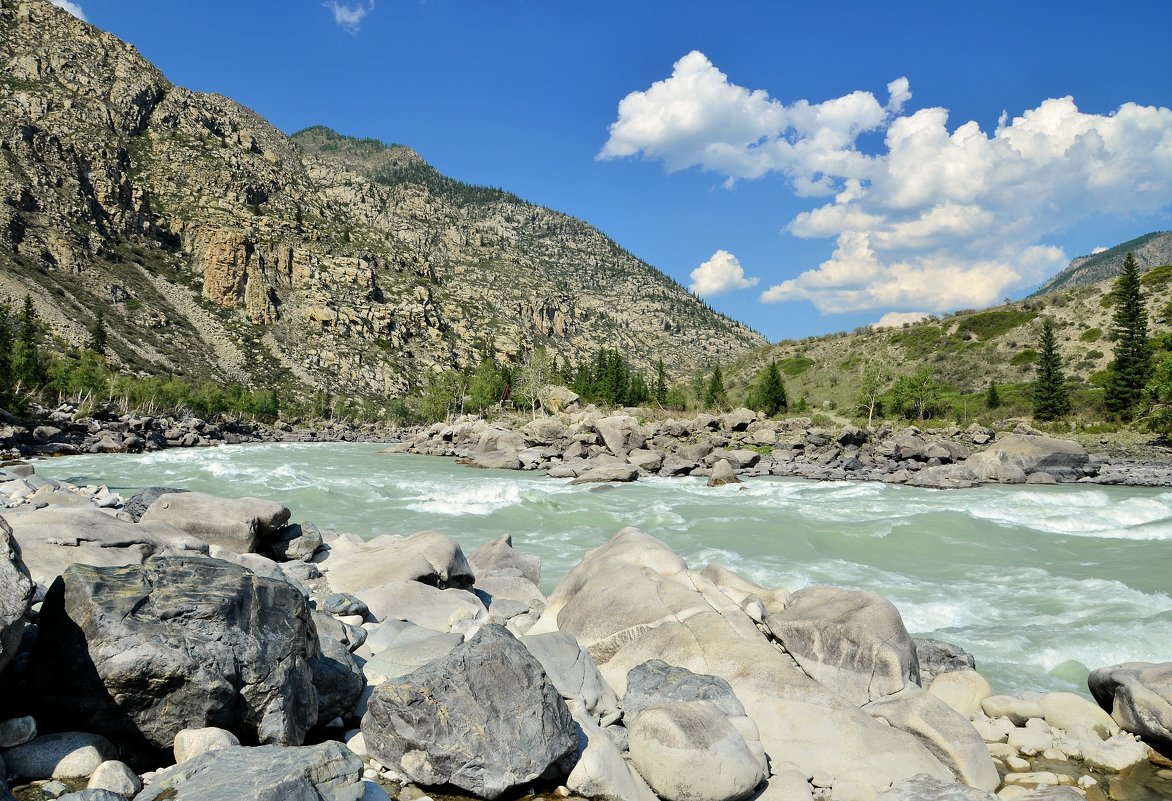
(1129, 371)
(992, 397)
(7, 375)
(1051, 399)
(26, 355)
(660, 383)
(768, 395)
(715, 396)
(97, 342)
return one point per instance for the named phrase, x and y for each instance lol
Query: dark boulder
(485, 718)
(16, 593)
(139, 653)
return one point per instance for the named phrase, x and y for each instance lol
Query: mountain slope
(218, 247)
(1151, 250)
(964, 350)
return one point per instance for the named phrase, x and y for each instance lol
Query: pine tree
(660, 383)
(992, 397)
(768, 395)
(1051, 400)
(97, 341)
(1128, 373)
(26, 356)
(7, 376)
(714, 396)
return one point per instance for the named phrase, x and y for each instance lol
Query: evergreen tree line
(29, 371)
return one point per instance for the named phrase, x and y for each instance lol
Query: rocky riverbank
(68, 431)
(588, 446)
(183, 646)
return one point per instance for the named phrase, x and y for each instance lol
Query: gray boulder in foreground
(936, 657)
(237, 524)
(325, 772)
(1138, 695)
(484, 718)
(16, 593)
(139, 653)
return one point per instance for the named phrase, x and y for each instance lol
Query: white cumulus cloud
(939, 216)
(72, 8)
(898, 319)
(349, 15)
(721, 273)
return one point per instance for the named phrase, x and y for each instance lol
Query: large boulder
(621, 433)
(354, 565)
(55, 537)
(399, 648)
(325, 772)
(655, 681)
(237, 524)
(633, 600)
(1138, 695)
(851, 641)
(16, 594)
(943, 731)
(499, 557)
(68, 755)
(336, 677)
(424, 605)
(139, 653)
(608, 472)
(485, 719)
(1062, 458)
(574, 674)
(601, 772)
(691, 751)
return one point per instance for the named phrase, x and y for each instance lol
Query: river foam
(1040, 583)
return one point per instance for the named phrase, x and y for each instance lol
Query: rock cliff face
(218, 247)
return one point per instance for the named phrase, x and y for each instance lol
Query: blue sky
(827, 164)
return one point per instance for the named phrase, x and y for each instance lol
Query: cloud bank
(721, 273)
(937, 217)
(72, 8)
(349, 15)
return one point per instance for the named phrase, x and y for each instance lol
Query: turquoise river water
(1040, 583)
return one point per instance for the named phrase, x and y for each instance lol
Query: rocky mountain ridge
(219, 248)
(1150, 250)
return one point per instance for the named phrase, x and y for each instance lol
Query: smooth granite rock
(851, 641)
(690, 751)
(1138, 695)
(234, 523)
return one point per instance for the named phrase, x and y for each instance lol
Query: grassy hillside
(964, 351)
